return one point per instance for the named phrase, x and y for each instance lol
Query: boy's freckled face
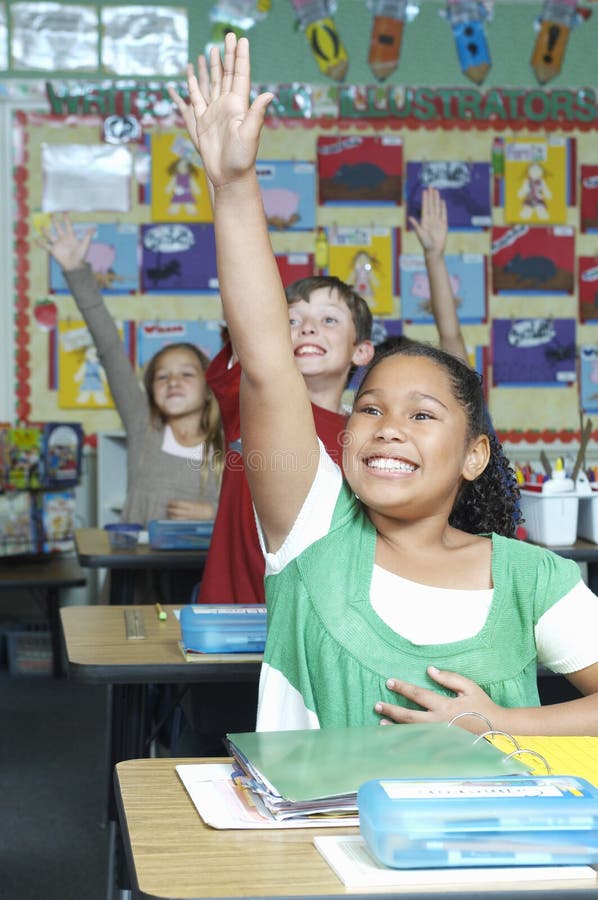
(406, 438)
(323, 333)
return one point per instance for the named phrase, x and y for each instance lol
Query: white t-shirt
(172, 446)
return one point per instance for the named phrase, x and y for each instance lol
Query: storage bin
(550, 519)
(29, 651)
(123, 535)
(169, 534)
(587, 521)
(441, 823)
(211, 628)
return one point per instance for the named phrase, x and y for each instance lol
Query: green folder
(333, 762)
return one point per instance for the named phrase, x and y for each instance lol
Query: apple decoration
(45, 314)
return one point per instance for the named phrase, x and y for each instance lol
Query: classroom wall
(281, 56)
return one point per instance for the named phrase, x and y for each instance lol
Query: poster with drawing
(382, 330)
(467, 275)
(360, 169)
(206, 334)
(179, 188)
(533, 352)
(588, 208)
(366, 258)
(113, 256)
(178, 258)
(293, 266)
(288, 191)
(82, 381)
(463, 185)
(538, 179)
(587, 283)
(533, 259)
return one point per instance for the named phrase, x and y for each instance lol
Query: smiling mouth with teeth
(309, 350)
(389, 464)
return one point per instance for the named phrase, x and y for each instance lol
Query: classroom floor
(52, 789)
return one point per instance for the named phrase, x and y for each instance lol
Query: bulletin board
(522, 246)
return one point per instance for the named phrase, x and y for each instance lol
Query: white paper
(50, 36)
(348, 856)
(86, 178)
(144, 40)
(222, 806)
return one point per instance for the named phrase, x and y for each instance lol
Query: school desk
(48, 575)
(94, 552)
(98, 651)
(171, 853)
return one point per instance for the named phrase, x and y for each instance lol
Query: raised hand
(433, 228)
(68, 249)
(224, 128)
(468, 697)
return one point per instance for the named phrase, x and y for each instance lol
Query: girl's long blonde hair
(210, 421)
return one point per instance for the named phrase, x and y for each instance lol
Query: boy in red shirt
(330, 327)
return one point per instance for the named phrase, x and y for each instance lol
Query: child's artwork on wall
(538, 179)
(86, 178)
(588, 179)
(464, 186)
(112, 255)
(588, 378)
(179, 188)
(588, 288)
(533, 352)
(154, 336)
(178, 258)
(289, 194)
(467, 274)
(358, 169)
(382, 329)
(533, 260)
(367, 259)
(82, 382)
(293, 266)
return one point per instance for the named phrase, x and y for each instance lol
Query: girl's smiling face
(406, 445)
(179, 385)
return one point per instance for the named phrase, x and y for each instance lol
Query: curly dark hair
(490, 503)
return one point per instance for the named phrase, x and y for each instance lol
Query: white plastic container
(550, 519)
(587, 522)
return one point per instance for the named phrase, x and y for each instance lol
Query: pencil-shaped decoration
(315, 19)
(556, 21)
(387, 33)
(466, 18)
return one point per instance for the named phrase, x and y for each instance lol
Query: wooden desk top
(94, 552)
(171, 853)
(42, 571)
(98, 650)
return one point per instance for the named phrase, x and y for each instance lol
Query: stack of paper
(318, 772)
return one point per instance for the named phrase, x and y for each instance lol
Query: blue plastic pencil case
(168, 534)
(507, 821)
(226, 628)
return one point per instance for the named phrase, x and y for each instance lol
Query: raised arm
(432, 232)
(278, 433)
(70, 252)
